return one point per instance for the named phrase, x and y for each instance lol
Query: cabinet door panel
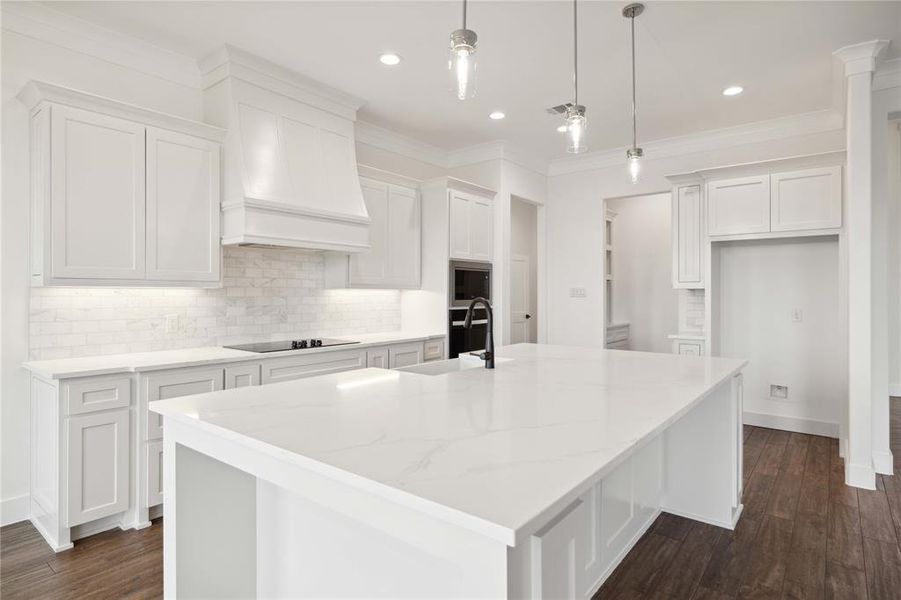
(736, 206)
(460, 213)
(182, 207)
(97, 196)
(481, 229)
(161, 386)
(808, 199)
(405, 355)
(687, 237)
(98, 465)
(404, 237)
(371, 267)
(154, 472)
(242, 376)
(377, 357)
(558, 554)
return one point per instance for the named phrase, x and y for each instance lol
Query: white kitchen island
(530, 480)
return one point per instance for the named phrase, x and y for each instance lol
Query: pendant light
(576, 123)
(634, 153)
(462, 62)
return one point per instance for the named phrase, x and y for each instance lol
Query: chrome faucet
(488, 354)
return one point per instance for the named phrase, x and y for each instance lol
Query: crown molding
(887, 75)
(496, 150)
(386, 139)
(232, 62)
(716, 139)
(861, 58)
(39, 22)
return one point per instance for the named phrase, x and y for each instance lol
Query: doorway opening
(523, 271)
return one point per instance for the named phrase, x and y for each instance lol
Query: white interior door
(520, 309)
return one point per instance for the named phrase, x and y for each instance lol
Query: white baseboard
(894, 389)
(861, 476)
(796, 424)
(13, 510)
(884, 462)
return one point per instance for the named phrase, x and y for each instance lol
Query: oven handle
(460, 323)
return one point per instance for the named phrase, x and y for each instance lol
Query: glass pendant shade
(462, 63)
(634, 155)
(576, 129)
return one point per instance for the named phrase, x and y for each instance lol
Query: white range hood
(290, 163)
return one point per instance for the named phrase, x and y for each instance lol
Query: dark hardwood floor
(803, 534)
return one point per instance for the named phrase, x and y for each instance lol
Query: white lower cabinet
(688, 347)
(242, 375)
(559, 548)
(175, 383)
(154, 472)
(98, 450)
(377, 357)
(405, 355)
(310, 365)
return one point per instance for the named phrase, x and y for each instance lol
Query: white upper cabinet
(96, 196)
(471, 226)
(688, 237)
(740, 205)
(182, 207)
(120, 195)
(807, 199)
(395, 237)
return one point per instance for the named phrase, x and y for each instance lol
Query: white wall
(575, 215)
(761, 283)
(524, 241)
(643, 293)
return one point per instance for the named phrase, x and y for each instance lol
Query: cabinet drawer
(433, 350)
(405, 355)
(172, 384)
(688, 348)
(242, 376)
(97, 393)
(298, 367)
(154, 473)
(98, 450)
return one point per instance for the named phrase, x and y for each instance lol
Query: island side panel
(209, 526)
(306, 549)
(702, 459)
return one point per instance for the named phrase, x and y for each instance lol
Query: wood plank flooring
(803, 534)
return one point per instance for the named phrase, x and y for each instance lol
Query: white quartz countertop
(499, 446)
(192, 357)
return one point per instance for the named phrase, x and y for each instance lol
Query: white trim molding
(37, 21)
(861, 58)
(796, 424)
(795, 125)
(13, 510)
(386, 139)
(894, 390)
(884, 462)
(887, 75)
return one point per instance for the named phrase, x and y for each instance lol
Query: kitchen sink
(441, 367)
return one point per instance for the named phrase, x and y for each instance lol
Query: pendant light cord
(464, 14)
(576, 51)
(634, 118)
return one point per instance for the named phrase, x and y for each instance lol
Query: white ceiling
(687, 53)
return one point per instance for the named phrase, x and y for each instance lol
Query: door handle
(528, 316)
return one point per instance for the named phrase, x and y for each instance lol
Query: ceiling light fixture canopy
(634, 154)
(576, 123)
(462, 62)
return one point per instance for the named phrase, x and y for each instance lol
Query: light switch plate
(172, 323)
(577, 292)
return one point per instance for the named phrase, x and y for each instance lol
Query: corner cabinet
(395, 238)
(120, 195)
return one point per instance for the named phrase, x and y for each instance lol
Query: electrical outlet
(797, 315)
(577, 292)
(171, 323)
(779, 392)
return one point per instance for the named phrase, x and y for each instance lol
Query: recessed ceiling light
(562, 129)
(389, 58)
(733, 90)
(497, 115)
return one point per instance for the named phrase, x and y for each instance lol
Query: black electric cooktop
(281, 346)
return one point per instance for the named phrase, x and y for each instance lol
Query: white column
(860, 62)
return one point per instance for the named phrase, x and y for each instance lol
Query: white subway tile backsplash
(266, 293)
